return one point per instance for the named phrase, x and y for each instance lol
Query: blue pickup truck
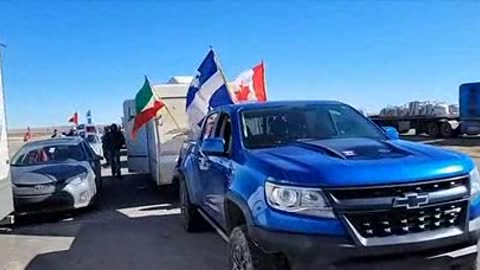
(316, 185)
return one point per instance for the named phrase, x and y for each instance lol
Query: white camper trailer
(155, 149)
(6, 200)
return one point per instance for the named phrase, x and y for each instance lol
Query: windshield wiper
(317, 144)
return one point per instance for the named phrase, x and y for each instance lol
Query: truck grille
(376, 212)
(402, 222)
(398, 190)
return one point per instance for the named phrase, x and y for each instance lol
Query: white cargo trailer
(6, 200)
(155, 149)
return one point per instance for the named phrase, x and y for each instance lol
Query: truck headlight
(474, 183)
(306, 201)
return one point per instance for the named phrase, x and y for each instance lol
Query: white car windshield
(49, 154)
(92, 138)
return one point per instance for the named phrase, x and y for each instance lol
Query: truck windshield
(264, 128)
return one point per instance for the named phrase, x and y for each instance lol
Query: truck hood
(46, 174)
(358, 162)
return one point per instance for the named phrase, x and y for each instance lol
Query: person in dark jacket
(116, 140)
(106, 145)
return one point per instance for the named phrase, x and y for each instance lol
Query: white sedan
(56, 174)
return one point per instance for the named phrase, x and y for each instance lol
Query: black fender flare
(242, 205)
(182, 176)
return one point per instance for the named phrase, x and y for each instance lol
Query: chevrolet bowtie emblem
(410, 200)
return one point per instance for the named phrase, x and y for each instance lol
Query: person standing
(116, 142)
(106, 145)
(28, 135)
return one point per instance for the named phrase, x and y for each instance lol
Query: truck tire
(446, 130)
(243, 254)
(192, 220)
(433, 130)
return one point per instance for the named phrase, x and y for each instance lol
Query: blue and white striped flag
(89, 117)
(208, 90)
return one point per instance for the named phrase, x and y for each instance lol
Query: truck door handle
(203, 163)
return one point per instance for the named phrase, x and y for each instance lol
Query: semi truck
(438, 120)
(156, 147)
(470, 108)
(6, 200)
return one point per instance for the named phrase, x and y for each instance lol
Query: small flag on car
(89, 117)
(74, 119)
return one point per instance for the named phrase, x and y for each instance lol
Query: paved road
(135, 227)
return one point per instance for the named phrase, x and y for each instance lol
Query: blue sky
(64, 56)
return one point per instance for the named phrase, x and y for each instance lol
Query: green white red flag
(147, 105)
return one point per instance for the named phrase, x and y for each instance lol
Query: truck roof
(273, 104)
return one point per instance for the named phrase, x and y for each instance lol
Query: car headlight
(307, 201)
(78, 180)
(474, 183)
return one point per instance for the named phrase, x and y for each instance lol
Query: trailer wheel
(457, 132)
(433, 130)
(446, 130)
(419, 130)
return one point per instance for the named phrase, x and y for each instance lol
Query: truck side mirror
(392, 133)
(213, 146)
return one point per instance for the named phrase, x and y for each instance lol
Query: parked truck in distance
(469, 97)
(441, 125)
(438, 120)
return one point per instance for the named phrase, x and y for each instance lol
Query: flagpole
(220, 68)
(171, 115)
(165, 105)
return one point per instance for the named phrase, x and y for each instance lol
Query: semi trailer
(437, 120)
(433, 126)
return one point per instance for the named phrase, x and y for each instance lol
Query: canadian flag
(250, 85)
(74, 119)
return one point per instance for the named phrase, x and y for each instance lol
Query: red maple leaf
(243, 92)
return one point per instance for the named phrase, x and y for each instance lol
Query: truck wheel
(245, 255)
(446, 130)
(192, 220)
(433, 130)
